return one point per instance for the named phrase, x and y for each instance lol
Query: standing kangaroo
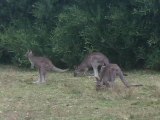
(93, 60)
(108, 75)
(43, 65)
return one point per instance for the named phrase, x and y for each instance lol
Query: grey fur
(43, 65)
(108, 75)
(92, 60)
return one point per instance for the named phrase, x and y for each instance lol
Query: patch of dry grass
(65, 97)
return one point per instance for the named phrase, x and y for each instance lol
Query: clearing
(65, 97)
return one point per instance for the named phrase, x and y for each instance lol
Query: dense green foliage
(126, 31)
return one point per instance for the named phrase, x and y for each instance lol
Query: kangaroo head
(28, 53)
(78, 71)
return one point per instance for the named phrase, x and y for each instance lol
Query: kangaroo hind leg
(39, 78)
(95, 69)
(123, 79)
(43, 75)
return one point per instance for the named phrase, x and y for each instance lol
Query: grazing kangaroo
(93, 60)
(43, 65)
(108, 75)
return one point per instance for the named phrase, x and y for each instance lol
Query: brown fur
(92, 60)
(43, 65)
(108, 75)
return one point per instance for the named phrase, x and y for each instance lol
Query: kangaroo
(92, 60)
(32, 64)
(108, 75)
(43, 65)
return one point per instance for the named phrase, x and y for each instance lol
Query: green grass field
(65, 97)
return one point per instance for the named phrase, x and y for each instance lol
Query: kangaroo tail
(58, 69)
(137, 85)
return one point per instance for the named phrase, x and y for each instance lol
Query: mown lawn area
(65, 97)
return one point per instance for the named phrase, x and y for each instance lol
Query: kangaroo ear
(103, 64)
(29, 50)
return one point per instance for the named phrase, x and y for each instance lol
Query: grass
(65, 97)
